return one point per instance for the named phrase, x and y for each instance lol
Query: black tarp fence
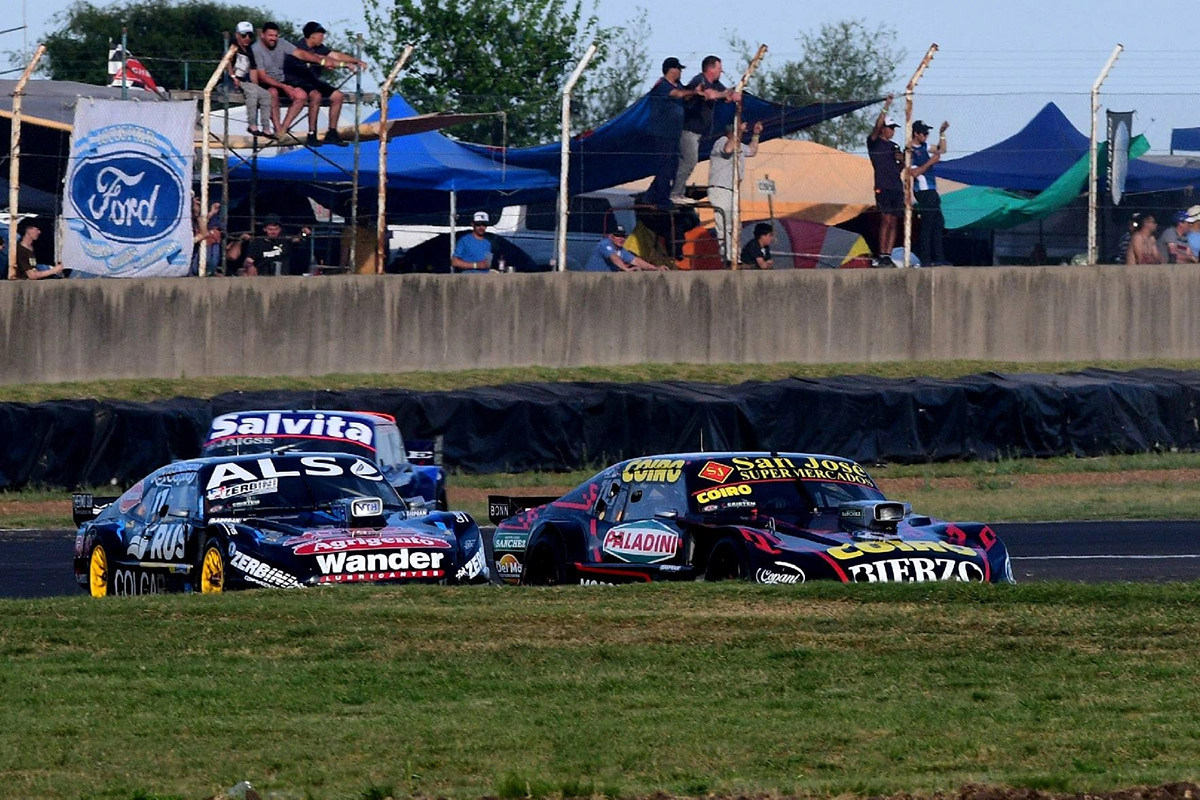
(568, 426)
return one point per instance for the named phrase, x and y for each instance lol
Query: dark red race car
(765, 517)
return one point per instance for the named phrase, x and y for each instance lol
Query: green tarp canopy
(985, 207)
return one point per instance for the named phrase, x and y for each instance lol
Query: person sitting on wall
(473, 252)
(757, 252)
(610, 255)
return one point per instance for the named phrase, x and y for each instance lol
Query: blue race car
(764, 517)
(284, 521)
(413, 472)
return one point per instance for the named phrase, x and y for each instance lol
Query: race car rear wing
(86, 507)
(424, 452)
(501, 507)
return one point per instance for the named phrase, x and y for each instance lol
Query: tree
(161, 34)
(511, 56)
(842, 61)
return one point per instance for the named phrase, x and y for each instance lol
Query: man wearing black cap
(665, 127)
(929, 202)
(610, 255)
(306, 74)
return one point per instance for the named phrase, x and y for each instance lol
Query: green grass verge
(689, 689)
(145, 390)
(1167, 487)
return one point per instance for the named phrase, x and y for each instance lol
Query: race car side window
(389, 448)
(648, 499)
(610, 505)
(184, 497)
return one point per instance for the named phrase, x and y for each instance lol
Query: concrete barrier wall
(98, 329)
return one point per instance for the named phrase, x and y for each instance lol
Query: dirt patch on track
(896, 487)
(1166, 791)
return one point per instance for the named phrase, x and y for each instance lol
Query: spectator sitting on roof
(473, 252)
(610, 255)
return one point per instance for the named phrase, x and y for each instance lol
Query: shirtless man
(1143, 248)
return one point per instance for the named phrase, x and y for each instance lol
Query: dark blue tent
(1185, 139)
(425, 163)
(1048, 146)
(616, 152)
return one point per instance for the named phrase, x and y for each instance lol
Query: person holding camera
(929, 202)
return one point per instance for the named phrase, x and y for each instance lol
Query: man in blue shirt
(665, 127)
(473, 252)
(610, 255)
(929, 202)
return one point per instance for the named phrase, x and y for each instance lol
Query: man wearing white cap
(244, 72)
(473, 252)
(887, 159)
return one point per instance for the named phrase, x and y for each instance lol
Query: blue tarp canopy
(612, 154)
(1185, 139)
(1041, 152)
(616, 152)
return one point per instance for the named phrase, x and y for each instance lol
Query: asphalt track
(38, 563)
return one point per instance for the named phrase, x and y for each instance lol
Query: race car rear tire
(546, 562)
(442, 503)
(213, 568)
(98, 582)
(727, 561)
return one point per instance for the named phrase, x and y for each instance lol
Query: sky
(996, 66)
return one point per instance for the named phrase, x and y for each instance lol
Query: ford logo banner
(127, 197)
(128, 204)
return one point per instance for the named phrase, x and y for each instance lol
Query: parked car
(414, 472)
(284, 520)
(765, 517)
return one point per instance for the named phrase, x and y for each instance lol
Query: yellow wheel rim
(212, 572)
(98, 572)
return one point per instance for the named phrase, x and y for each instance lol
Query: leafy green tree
(511, 56)
(842, 61)
(161, 34)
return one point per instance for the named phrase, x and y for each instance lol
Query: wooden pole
(1093, 254)
(358, 39)
(908, 120)
(205, 132)
(733, 225)
(381, 212)
(14, 160)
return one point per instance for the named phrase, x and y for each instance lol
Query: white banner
(127, 211)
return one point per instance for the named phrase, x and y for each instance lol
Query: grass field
(1146, 486)
(689, 689)
(696, 690)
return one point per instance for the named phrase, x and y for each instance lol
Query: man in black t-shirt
(271, 253)
(306, 74)
(757, 252)
(887, 159)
